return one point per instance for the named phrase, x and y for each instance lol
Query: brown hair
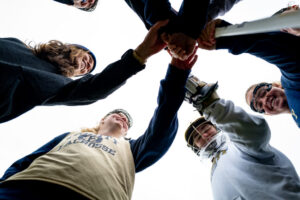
(61, 55)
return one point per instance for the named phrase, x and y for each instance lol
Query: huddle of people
(100, 162)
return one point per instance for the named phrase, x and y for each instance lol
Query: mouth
(271, 102)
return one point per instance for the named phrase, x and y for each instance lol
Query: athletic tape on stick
(274, 23)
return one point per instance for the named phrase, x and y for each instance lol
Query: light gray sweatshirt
(250, 168)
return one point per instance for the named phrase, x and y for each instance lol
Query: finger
(172, 47)
(182, 55)
(192, 55)
(160, 24)
(177, 50)
(207, 43)
(195, 50)
(173, 54)
(165, 37)
(193, 61)
(169, 52)
(212, 34)
(203, 46)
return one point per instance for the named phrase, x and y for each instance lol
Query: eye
(263, 93)
(259, 106)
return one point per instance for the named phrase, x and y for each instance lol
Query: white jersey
(250, 168)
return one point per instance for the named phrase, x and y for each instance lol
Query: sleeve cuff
(129, 57)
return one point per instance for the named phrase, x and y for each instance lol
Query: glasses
(259, 92)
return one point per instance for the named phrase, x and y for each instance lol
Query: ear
(101, 121)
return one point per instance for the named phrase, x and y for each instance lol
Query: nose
(205, 135)
(264, 101)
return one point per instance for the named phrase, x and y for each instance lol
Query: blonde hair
(61, 55)
(274, 83)
(92, 130)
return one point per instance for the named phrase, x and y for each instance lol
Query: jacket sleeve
(190, 19)
(24, 162)
(158, 137)
(91, 88)
(250, 133)
(220, 7)
(280, 49)
(68, 2)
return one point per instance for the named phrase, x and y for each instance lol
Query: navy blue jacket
(155, 141)
(27, 81)
(278, 48)
(190, 19)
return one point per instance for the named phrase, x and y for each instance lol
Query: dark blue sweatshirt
(27, 81)
(278, 48)
(148, 148)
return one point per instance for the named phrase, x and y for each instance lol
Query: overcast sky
(109, 31)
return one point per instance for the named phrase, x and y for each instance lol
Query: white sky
(109, 31)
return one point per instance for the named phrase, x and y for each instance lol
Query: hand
(184, 64)
(200, 94)
(207, 39)
(83, 3)
(181, 46)
(293, 31)
(152, 43)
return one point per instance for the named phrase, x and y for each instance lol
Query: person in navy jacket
(100, 163)
(278, 48)
(34, 77)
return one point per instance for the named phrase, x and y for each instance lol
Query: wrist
(140, 54)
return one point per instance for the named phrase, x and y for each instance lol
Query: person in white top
(245, 166)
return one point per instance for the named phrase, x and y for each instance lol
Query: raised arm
(91, 88)
(184, 27)
(278, 48)
(158, 137)
(250, 133)
(94, 87)
(190, 19)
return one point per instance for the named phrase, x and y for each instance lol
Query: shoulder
(11, 40)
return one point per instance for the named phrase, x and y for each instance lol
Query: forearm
(158, 137)
(156, 10)
(276, 48)
(243, 129)
(92, 88)
(192, 17)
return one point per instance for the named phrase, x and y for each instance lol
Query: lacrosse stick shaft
(274, 23)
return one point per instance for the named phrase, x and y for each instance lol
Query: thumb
(160, 24)
(193, 61)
